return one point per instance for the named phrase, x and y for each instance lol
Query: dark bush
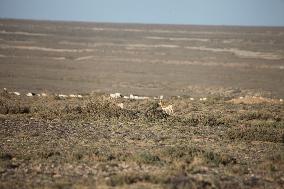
(270, 132)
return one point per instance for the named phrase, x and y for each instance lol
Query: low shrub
(146, 157)
(265, 131)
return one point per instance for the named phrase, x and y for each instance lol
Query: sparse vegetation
(219, 125)
(63, 143)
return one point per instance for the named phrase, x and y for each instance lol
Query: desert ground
(140, 59)
(224, 83)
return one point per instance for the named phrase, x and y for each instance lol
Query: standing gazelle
(167, 109)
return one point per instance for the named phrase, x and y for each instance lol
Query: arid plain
(141, 59)
(224, 84)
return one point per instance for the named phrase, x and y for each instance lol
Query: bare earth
(142, 59)
(232, 138)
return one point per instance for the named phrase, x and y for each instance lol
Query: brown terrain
(224, 84)
(142, 59)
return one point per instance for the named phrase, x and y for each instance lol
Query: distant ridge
(137, 24)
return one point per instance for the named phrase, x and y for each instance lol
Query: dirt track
(143, 59)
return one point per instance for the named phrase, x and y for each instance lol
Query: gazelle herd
(168, 109)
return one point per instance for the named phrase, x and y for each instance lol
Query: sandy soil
(142, 59)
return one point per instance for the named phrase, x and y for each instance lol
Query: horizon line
(140, 23)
